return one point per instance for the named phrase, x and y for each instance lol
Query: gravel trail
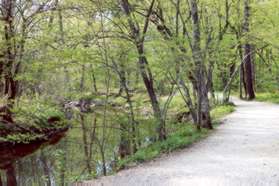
(244, 151)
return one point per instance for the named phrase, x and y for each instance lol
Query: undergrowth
(185, 135)
(272, 97)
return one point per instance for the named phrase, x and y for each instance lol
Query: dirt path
(242, 152)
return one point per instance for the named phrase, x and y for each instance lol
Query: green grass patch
(272, 97)
(181, 139)
(221, 110)
(185, 134)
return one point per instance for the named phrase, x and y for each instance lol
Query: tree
(248, 53)
(138, 36)
(204, 119)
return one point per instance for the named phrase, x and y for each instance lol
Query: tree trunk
(1, 182)
(148, 82)
(10, 84)
(124, 146)
(133, 122)
(11, 176)
(85, 144)
(166, 32)
(249, 72)
(240, 83)
(241, 71)
(104, 168)
(248, 65)
(94, 81)
(143, 66)
(210, 85)
(46, 169)
(10, 88)
(204, 119)
(64, 164)
(188, 100)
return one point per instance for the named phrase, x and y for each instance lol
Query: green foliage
(21, 138)
(220, 111)
(186, 135)
(36, 113)
(33, 116)
(272, 97)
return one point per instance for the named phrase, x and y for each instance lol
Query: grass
(185, 135)
(272, 97)
(221, 110)
(175, 141)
